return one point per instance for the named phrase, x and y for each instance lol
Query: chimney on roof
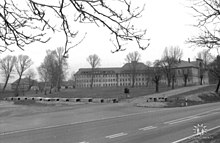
(179, 60)
(189, 60)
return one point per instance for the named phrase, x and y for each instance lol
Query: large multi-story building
(108, 77)
(122, 76)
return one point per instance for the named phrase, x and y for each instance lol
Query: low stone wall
(92, 100)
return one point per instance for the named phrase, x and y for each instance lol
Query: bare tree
(7, 66)
(157, 74)
(22, 64)
(24, 22)
(61, 66)
(214, 68)
(207, 13)
(30, 74)
(72, 76)
(72, 79)
(44, 76)
(94, 61)
(148, 71)
(185, 74)
(206, 58)
(48, 71)
(168, 61)
(133, 58)
(53, 68)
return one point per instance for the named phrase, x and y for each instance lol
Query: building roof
(139, 66)
(24, 81)
(126, 67)
(185, 64)
(98, 70)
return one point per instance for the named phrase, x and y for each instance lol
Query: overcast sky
(169, 23)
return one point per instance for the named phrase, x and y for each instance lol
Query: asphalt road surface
(156, 126)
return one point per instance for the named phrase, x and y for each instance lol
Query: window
(179, 72)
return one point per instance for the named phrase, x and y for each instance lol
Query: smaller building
(68, 84)
(193, 72)
(25, 84)
(8, 87)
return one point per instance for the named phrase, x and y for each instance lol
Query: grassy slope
(198, 96)
(210, 88)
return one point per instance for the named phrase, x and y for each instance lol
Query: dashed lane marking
(116, 135)
(199, 115)
(147, 128)
(80, 122)
(181, 120)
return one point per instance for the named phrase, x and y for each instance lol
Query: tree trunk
(168, 80)
(147, 83)
(6, 82)
(173, 80)
(58, 83)
(51, 86)
(201, 79)
(133, 80)
(45, 85)
(157, 86)
(30, 84)
(17, 86)
(217, 88)
(50, 92)
(91, 85)
(185, 79)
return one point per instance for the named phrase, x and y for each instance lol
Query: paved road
(153, 126)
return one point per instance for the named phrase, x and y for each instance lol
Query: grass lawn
(108, 92)
(198, 96)
(210, 88)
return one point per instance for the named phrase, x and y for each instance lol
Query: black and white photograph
(109, 71)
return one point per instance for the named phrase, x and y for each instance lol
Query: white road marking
(116, 135)
(180, 140)
(81, 122)
(84, 142)
(181, 120)
(199, 115)
(147, 128)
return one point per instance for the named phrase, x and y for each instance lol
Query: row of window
(110, 80)
(107, 75)
(109, 85)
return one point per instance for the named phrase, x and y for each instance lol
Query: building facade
(185, 71)
(25, 84)
(194, 71)
(113, 77)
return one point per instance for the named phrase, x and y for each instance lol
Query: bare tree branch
(207, 13)
(24, 23)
